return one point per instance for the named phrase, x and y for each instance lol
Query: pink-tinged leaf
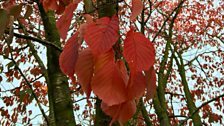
(121, 112)
(137, 7)
(150, 76)
(102, 34)
(64, 21)
(84, 70)
(107, 82)
(69, 56)
(138, 51)
(136, 85)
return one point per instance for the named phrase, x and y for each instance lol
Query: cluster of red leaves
(98, 69)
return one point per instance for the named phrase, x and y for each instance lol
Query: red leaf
(64, 21)
(137, 8)
(136, 85)
(122, 112)
(49, 4)
(138, 51)
(102, 34)
(84, 70)
(124, 72)
(69, 56)
(107, 82)
(89, 18)
(150, 76)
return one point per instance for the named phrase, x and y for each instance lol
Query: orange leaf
(64, 21)
(138, 51)
(137, 8)
(69, 55)
(107, 82)
(150, 76)
(121, 112)
(84, 70)
(102, 34)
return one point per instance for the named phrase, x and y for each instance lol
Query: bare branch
(44, 42)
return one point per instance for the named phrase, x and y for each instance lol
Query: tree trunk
(159, 100)
(60, 102)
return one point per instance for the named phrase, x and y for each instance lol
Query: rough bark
(60, 103)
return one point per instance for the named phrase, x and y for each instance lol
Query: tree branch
(174, 10)
(9, 40)
(201, 106)
(44, 42)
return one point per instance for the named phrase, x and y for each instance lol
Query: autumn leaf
(138, 51)
(64, 21)
(69, 56)
(137, 7)
(49, 4)
(102, 34)
(122, 112)
(107, 82)
(150, 76)
(124, 72)
(84, 70)
(136, 85)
